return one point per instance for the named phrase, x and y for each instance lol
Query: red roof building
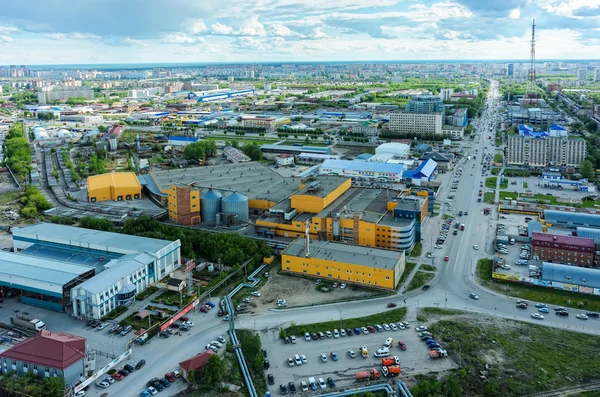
(568, 250)
(194, 363)
(47, 354)
(117, 130)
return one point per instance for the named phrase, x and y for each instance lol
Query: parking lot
(415, 360)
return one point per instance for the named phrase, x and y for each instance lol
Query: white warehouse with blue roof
(382, 172)
(123, 265)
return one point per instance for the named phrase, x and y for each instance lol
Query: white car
(188, 323)
(221, 339)
(103, 384)
(351, 354)
(297, 360)
(342, 332)
(110, 380)
(323, 357)
(393, 326)
(475, 247)
(152, 391)
(290, 361)
(306, 336)
(304, 386)
(400, 325)
(439, 247)
(336, 333)
(433, 255)
(421, 328)
(364, 330)
(582, 316)
(303, 358)
(322, 383)
(255, 293)
(386, 326)
(537, 316)
(293, 339)
(342, 285)
(215, 343)
(80, 393)
(406, 324)
(102, 326)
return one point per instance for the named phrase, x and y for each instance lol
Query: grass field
(407, 270)
(428, 267)
(509, 195)
(419, 280)
(393, 315)
(488, 197)
(9, 197)
(522, 358)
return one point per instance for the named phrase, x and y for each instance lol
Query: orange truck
(438, 354)
(391, 371)
(390, 361)
(364, 376)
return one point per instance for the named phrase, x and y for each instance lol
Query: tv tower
(530, 97)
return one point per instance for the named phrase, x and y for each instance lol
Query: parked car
(271, 379)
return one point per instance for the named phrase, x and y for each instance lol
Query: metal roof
(88, 238)
(558, 239)
(588, 232)
(363, 166)
(571, 218)
(426, 168)
(40, 270)
(115, 271)
(117, 179)
(571, 274)
(345, 253)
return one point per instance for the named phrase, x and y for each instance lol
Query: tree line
(17, 152)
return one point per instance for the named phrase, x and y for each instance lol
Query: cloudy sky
(137, 31)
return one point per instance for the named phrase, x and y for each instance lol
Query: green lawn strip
(509, 195)
(146, 293)
(422, 316)
(523, 358)
(407, 270)
(488, 197)
(392, 315)
(420, 279)
(428, 267)
(417, 250)
(490, 182)
(534, 293)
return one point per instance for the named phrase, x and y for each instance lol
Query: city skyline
(60, 32)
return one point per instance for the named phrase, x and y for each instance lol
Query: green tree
(591, 126)
(211, 373)
(253, 151)
(88, 222)
(587, 169)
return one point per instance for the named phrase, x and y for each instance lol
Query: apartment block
(416, 123)
(541, 152)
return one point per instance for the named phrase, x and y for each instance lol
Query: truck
(33, 324)
(391, 371)
(364, 376)
(438, 354)
(390, 361)
(462, 226)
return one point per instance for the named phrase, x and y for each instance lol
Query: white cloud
(566, 7)
(277, 29)
(252, 28)
(72, 36)
(197, 27)
(219, 28)
(6, 39)
(248, 42)
(180, 38)
(317, 34)
(8, 29)
(515, 14)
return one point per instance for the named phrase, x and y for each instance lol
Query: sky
(42, 32)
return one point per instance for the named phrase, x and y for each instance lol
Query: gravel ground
(298, 291)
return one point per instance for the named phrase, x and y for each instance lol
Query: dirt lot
(298, 291)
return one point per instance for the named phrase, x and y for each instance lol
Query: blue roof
(571, 274)
(183, 139)
(589, 232)
(556, 127)
(364, 156)
(571, 218)
(526, 130)
(44, 271)
(364, 166)
(426, 168)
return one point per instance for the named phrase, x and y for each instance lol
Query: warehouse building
(41, 282)
(568, 250)
(382, 172)
(344, 263)
(182, 190)
(124, 265)
(571, 219)
(588, 232)
(294, 149)
(116, 186)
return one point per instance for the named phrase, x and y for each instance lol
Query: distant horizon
(146, 65)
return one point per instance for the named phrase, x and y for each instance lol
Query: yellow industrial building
(345, 263)
(184, 205)
(117, 186)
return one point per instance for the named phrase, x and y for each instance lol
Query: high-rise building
(511, 70)
(543, 151)
(425, 104)
(597, 74)
(581, 74)
(446, 93)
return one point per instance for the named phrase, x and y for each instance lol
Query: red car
(446, 258)
(401, 345)
(118, 376)
(204, 309)
(169, 376)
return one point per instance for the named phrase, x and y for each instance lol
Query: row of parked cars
(114, 329)
(559, 311)
(313, 384)
(350, 331)
(184, 324)
(120, 374)
(156, 385)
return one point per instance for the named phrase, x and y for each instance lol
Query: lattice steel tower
(530, 97)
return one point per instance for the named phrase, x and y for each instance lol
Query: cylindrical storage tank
(336, 227)
(210, 204)
(236, 204)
